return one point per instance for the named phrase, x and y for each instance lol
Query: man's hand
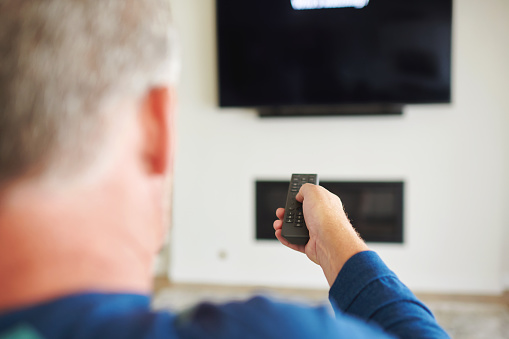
(332, 239)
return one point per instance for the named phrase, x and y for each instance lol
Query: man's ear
(157, 123)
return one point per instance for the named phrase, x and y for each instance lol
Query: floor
(463, 317)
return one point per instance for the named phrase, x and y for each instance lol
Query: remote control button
(298, 225)
(290, 221)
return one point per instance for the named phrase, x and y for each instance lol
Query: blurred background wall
(453, 158)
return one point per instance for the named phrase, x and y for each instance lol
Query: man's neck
(52, 245)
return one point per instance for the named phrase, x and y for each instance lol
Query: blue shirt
(368, 298)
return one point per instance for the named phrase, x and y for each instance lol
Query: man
(86, 149)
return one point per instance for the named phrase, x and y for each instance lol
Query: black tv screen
(333, 52)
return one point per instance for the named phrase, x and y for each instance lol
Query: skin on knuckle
(313, 189)
(338, 200)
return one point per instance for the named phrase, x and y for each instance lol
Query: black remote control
(294, 225)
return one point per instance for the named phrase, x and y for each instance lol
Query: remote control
(294, 225)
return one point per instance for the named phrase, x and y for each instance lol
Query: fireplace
(374, 208)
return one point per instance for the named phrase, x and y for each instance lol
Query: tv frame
(340, 109)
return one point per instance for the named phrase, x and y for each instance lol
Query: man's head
(66, 69)
(86, 101)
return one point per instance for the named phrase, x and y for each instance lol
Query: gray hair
(61, 62)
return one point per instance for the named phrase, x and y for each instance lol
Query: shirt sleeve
(366, 288)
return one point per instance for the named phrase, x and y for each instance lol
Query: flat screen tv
(317, 54)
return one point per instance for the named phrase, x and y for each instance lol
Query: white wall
(453, 159)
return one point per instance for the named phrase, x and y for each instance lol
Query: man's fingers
(280, 213)
(278, 224)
